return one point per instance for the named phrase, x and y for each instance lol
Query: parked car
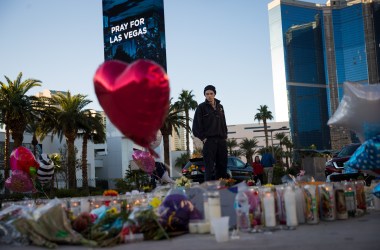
(336, 164)
(236, 169)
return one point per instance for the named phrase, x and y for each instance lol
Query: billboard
(134, 29)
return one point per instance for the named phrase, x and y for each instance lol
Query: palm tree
(280, 137)
(65, 116)
(174, 120)
(263, 115)
(32, 128)
(16, 111)
(186, 103)
(248, 147)
(231, 143)
(93, 130)
(288, 145)
(237, 153)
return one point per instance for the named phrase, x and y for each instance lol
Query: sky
(225, 43)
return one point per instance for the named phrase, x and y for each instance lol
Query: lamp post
(271, 132)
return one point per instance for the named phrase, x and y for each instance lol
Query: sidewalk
(355, 233)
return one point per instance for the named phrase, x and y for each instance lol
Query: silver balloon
(359, 110)
(157, 141)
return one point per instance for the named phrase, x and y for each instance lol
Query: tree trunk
(6, 152)
(187, 133)
(71, 161)
(17, 137)
(166, 149)
(266, 132)
(34, 143)
(84, 163)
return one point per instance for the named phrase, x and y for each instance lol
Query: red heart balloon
(22, 159)
(134, 96)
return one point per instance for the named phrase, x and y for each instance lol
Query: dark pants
(215, 157)
(259, 177)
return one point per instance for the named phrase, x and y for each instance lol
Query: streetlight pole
(271, 132)
(271, 138)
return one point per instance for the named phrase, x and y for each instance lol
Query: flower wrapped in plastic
(175, 212)
(183, 182)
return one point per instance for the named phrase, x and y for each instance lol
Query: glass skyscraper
(315, 49)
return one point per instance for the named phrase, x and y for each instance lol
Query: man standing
(267, 161)
(209, 125)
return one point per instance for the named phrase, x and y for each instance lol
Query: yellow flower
(196, 155)
(155, 202)
(112, 210)
(193, 167)
(182, 182)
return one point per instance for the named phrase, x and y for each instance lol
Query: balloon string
(152, 152)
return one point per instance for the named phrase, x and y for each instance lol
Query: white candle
(84, 205)
(203, 227)
(290, 207)
(214, 208)
(206, 208)
(269, 212)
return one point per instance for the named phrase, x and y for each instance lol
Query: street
(354, 233)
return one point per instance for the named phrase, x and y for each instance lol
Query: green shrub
(278, 172)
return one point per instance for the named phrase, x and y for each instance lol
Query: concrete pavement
(355, 233)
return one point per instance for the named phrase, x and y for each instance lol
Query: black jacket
(209, 122)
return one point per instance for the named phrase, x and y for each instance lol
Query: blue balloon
(376, 190)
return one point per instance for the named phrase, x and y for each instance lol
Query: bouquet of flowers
(227, 182)
(110, 192)
(250, 182)
(183, 182)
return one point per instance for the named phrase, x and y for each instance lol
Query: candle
(214, 208)
(311, 204)
(203, 227)
(300, 204)
(340, 202)
(269, 211)
(290, 207)
(349, 194)
(280, 203)
(327, 202)
(75, 206)
(206, 207)
(85, 205)
(254, 205)
(360, 195)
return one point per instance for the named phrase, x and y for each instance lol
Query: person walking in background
(209, 125)
(258, 171)
(267, 160)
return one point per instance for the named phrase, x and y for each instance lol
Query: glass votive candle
(340, 201)
(361, 202)
(349, 194)
(327, 202)
(311, 204)
(75, 207)
(268, 202)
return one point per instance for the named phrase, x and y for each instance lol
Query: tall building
(178, 141)
(315, 49)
